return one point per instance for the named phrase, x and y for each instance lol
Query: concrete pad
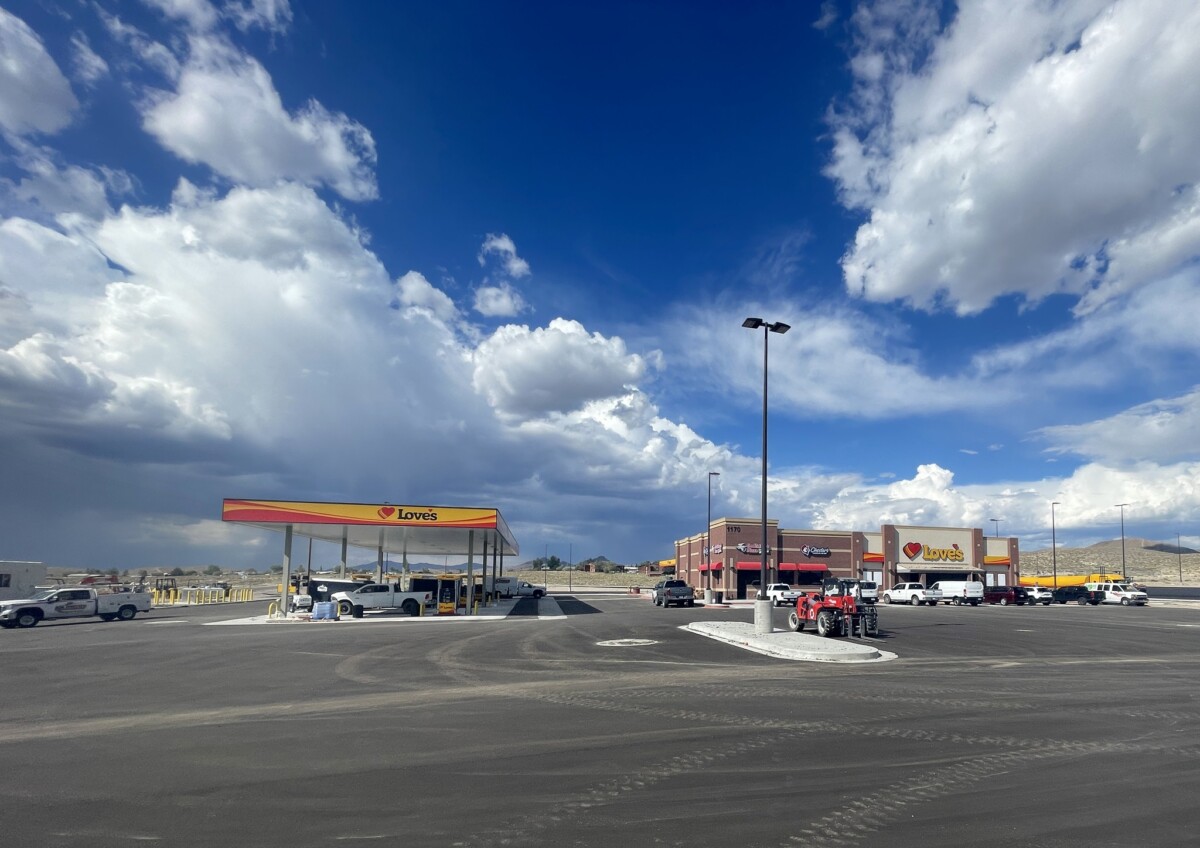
(787, 645)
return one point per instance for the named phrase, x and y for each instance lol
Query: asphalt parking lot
(611, 724)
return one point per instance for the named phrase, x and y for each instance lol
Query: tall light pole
(1179, 550)
(996, 522)
(762, 604)
(1053, 543)
(708, 539)
(1122, 508)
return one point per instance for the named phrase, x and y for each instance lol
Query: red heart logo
(387, 511)
(912, 549)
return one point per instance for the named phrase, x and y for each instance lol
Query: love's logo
(912, 549)
(387, 511)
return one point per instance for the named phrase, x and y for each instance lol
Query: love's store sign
(913, 550)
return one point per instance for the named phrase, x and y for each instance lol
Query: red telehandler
(836, 610)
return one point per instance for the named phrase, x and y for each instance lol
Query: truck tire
(795, 622)
(1124, 602)
(871, 623)
(28, 619)
(410, 607)
(824, 623)
(887, 599)
(1004, 602)
(126, 613)
(345, 608)
(915, 600)
(1082, 601)
(956, 602)
(691, 602)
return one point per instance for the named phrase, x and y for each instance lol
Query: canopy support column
(287, 571)
(483, 571)
(470, 571)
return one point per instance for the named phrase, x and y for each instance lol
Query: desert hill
(1146, 561)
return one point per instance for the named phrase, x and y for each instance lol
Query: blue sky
(499, 255)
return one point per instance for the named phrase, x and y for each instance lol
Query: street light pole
(762, 604)
(708, 540)
(1122, 507)
(1053, 543)
(1179, 550)
(996, 528)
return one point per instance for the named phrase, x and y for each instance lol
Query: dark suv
(1005, 595)
(1079, 594)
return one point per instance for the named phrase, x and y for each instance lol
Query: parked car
(1125, 594)
(1081, 595)
(912, 593)
(1006, 595)
(1039, 595)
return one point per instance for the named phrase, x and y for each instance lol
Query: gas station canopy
(392, 528)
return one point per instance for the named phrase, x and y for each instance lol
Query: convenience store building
(728, 558)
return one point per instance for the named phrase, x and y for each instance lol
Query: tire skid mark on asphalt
(845, 826)
(738, 692)
(809, 726)
(520, 830)
(868, 814)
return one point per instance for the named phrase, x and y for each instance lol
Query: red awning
(756, 565)
(704, 566)
(802, 566)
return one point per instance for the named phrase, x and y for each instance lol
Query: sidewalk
(791, 646)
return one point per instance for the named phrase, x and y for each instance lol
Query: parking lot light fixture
(762, 604)
(1122, 508)
(996, 522)
(708, 536)
(1054, 543)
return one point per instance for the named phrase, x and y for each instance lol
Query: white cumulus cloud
(1029, 149)
(530, 373)
(505, 250)
(34, 94)
(226, 114)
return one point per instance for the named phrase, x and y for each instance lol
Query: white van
(959, 592)
(1124, 594)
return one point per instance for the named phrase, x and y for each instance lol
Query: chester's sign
(915, 550)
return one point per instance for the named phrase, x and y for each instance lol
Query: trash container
(718, 597)
(357, 611)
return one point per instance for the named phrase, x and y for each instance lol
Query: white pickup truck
(376, 596)
(510, 587)
(912, 593)
(782, 594)
(73, 602)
